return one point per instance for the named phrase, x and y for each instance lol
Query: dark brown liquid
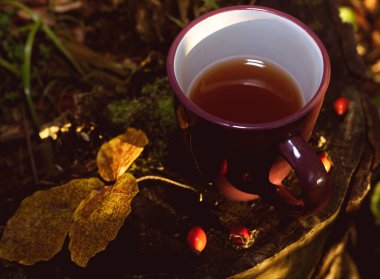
(245, 90)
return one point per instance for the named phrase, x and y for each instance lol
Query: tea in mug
(246, 90)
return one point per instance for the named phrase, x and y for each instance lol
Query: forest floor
(105, 73)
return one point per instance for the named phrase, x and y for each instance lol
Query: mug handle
(312, 177)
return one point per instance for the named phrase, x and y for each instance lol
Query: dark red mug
(247, 161)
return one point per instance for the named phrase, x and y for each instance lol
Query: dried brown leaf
(116, 156)
(37, 230)
(98, 219)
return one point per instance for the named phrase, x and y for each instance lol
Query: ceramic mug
(247, 161)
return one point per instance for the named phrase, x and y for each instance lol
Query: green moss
(122, 112)
(151, 111)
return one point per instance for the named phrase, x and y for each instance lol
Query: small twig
(167, 180)
(29, 146)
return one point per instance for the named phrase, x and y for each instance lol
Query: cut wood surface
(155, 234)
(286, 247)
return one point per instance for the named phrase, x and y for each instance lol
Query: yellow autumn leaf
(98, 219)
(36, 232)
(115, 157)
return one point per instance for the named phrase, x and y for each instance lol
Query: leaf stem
(166, 180)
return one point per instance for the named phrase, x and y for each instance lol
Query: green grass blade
(19, 30)
(26, 72)
(58, 43)
(23, 7)
(176, 21)
(8, 66)
(49, 33)
(212, 4)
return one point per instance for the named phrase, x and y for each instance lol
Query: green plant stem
(8, 66)
(26, 72)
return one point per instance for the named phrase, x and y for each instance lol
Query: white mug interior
(251, 33)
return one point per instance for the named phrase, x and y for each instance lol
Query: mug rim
(188, 104)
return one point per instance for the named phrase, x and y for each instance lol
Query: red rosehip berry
(242, 237)
(341, 106)
(239, 235)
(196, 239)
(325, 161)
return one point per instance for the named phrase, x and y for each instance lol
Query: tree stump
(152, 242)
(285, 247)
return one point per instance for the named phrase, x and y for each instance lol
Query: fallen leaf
(36, 232)
(98, 219)
(116, 156)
